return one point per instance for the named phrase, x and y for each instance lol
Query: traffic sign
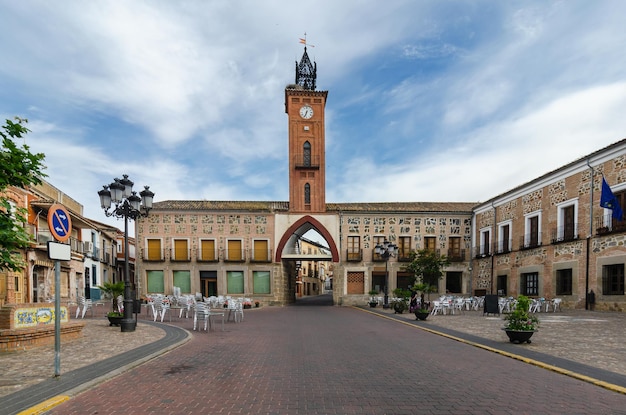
(59, 222)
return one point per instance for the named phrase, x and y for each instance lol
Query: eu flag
(609, 201)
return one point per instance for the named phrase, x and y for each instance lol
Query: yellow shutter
(234, 250)
(180, 250)
(207, 252)
(154, 249)
(260, 251)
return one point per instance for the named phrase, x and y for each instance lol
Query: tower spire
(306, 72)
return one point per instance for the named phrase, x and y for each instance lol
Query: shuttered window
(261, 282)
(154, 250)
(155, 282)
(234, 250)
(182, 280)
(234, 282)
(207, 250)
(181, 252)
(261, 251)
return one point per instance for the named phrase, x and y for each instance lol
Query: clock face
(306, 112)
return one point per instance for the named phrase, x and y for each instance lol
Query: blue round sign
(59, 222)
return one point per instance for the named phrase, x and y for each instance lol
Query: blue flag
(609, 201)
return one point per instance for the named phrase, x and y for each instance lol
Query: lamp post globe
(119, 200)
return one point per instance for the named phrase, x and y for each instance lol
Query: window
(306, 149)
(613, 279)
(485, 242)
(207, 250)
(182, 280)
(155, 282)
(234, 282)
(530, 284)
(378, 282)
(564, 281)
(532, 236)
(261, 251)
(354, 248)
(403, 280)
(404, 248)
(181, 250)
(430, 243)
(504, 238)
(307, 194)
(261, 282)
(501, 285)
(454, 251)
(234, 252)
(154, 250)
(567, 228)
(208, 283)
(356, 282)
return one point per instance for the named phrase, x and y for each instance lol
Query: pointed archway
(299, 228)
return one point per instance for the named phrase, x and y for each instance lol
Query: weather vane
(303, 41)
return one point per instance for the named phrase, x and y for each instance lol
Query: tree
(427, 268)
(20, 168)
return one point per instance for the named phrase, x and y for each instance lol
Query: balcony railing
(261, 255)
(234, 255)
(145, 255)
(564, 234)
(606, 224)
(530, 241)
(456, 255)
(208, 255)
(306, 162)
(354, 255)
(483, 251)
(180, 255)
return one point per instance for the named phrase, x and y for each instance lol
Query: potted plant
(247, 304)
(257, 303)
(520, 324)
(114, 290)
(420, 308)
(401, 300)
(373, 301)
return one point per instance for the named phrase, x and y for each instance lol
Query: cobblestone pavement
(596, 339)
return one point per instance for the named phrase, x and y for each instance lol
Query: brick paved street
(338, 360)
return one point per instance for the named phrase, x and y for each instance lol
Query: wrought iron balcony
(564, 234)
(354, 255)
(456, 255)
(261, 255)
(530, 241)
(303, 161)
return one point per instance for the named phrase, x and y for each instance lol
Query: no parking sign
(59, 222)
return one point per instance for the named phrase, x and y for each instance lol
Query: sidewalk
(592, 338)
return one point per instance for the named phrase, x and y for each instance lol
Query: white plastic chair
(437, 308)
(556, 303)
(186, 304)
(84, 304)
(201, 312)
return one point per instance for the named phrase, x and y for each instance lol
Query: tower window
(306, 149)
(307, 194)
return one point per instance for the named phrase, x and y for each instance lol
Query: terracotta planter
(519, 336)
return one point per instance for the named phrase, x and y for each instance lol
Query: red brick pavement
(336, 360)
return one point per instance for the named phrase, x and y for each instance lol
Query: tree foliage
(427, 267)
(20, 168)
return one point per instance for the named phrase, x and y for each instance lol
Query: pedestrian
(413, 303)
(591, 300)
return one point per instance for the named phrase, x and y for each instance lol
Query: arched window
(307, 194)
(306, 151)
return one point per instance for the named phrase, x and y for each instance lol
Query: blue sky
(428, 100)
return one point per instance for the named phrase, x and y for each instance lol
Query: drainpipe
(492, 246)
(589, 238)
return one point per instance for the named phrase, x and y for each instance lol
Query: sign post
(60, 225)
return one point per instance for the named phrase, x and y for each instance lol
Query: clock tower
(307, 155)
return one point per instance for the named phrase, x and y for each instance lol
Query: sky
(431, 101)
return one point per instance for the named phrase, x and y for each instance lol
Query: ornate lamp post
(127, 205)
(386, 250)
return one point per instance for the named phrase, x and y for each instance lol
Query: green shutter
(155, 282)
(234, 282)
(261, 282)
(182, 279)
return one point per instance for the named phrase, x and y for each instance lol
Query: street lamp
(386, 250)
(126, 205)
